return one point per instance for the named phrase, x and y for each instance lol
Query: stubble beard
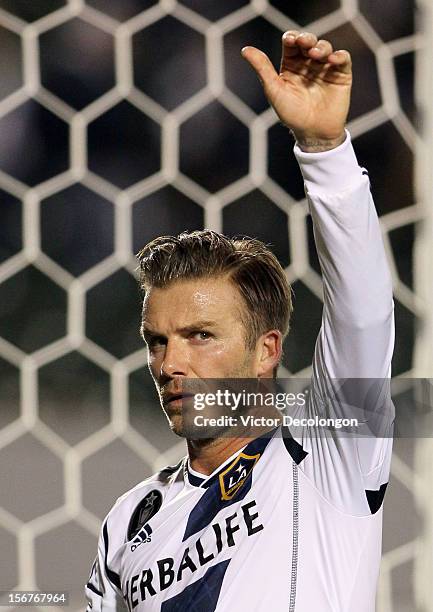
(175, 415)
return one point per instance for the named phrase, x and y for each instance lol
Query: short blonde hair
(248, 264)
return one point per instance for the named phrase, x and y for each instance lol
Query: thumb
(262, 65)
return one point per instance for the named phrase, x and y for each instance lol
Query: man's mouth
(175, 399)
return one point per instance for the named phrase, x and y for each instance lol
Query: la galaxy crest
(232, 478)
(138, 530)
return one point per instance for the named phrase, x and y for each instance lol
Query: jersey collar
(256, 446)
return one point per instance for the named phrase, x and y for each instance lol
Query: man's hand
(311, 95)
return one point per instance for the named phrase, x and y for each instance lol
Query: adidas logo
(142, 537)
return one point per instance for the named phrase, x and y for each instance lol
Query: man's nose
(175, 362)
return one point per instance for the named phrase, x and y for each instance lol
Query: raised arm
(311, 96)
(357, 334)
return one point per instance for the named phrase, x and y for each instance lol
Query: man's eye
(156, 341)
(201, 335)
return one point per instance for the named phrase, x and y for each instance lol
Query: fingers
(306, 43)
(261, 63)
(321, 50)
(290, 46)
(295, 43)
(342, 59)
(301, 44)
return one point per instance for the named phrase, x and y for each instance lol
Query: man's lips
(171, 398)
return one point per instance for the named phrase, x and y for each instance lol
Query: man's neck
(205, 456)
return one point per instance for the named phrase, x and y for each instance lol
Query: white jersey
(286, 524)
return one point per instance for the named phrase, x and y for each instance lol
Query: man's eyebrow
(198, 325)
(146, 330)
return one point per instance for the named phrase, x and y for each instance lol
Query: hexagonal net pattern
(122, 121)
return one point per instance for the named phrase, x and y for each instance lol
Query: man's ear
(270, 347)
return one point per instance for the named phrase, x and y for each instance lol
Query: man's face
(193, 330)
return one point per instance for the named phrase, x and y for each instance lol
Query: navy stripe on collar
(257, 445)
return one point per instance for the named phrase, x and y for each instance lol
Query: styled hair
(246, 262)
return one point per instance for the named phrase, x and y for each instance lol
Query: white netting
(119, 427)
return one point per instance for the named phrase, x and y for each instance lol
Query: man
(269, 523)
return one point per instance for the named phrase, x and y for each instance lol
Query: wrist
(330, 171)
(311, 144)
